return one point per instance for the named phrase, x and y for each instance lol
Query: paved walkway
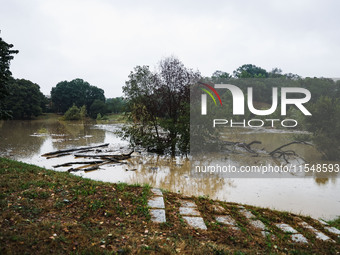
(156, 203)
(191, 215)
(193, 218)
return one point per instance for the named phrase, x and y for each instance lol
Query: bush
(73, 113)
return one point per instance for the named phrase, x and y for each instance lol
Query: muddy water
(318, 197)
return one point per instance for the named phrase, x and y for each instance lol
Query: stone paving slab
(226, 219)
(298, 238)
(156, 202)
(185, 203)
(323, 222)
(158, 215)
(319, 235)
(195, 222)
(333, 230)
(247, 214)
(286, 228)
(218, 208)
(188, 211)
(157, 192)
(258, 224)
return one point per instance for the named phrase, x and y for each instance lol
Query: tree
(97, 107)
(115, 105)
(83, 112)
(6, 55)
(275, 73)
(78, 92)
(159, 103)
(219, 75)
(25, 99)
(250, 71)
(325, 125)
(73, 113)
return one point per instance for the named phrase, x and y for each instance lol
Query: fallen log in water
(107, 156)
(59, 155)
(279, 151)
(83, 169)
(74, 149)
(107, 159)
(79, 163)
(90, 168)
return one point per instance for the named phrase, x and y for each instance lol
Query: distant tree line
(158, 102)
(22, 99)
(324, 104)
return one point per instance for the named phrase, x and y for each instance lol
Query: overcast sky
(101, 41)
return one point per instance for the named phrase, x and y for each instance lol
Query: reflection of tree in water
(17, 136)
(25, 138)
(174, 174)
(321, 179)
(65, 134)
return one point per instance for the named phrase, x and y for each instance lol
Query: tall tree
(78, 92)
(220, 75)
(6, 55)
(250, 71)
(159, 103)
(25, 99)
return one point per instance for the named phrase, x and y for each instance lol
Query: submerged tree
(325, 125)
(159, 103)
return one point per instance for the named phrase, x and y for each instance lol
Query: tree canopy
(24, 100)
(78, 92)
(116, 105)
(159, 103)
(6, 55)
(250, 71)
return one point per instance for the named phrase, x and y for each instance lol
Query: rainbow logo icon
(209, 93)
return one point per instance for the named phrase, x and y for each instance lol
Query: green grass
(44, 212)
(112, 118)
(335, 223)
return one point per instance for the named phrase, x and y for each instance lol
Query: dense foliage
(115, 105)
(75, 113)
(24, 100)
(324, 124)
(78, 92)
(159, 104)
(6, 55)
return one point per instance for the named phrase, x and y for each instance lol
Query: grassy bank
(45, 212)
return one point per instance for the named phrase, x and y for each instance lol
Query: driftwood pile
(278, 153)
(92, 152)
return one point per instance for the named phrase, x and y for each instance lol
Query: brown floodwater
(314, 195)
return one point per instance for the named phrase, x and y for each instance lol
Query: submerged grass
(45, 212)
